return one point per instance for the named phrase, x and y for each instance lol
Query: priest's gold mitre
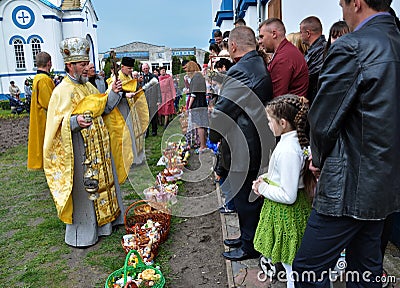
(75, 49)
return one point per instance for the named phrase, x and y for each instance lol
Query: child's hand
(314, 170)
(256, 184)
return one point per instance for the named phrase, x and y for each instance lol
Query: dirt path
(196, 247)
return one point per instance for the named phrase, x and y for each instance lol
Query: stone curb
(228, 263)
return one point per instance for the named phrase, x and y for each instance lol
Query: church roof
(69, 5)
(51, 5)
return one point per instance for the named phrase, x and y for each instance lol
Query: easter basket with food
(145, 207)
(149, 222)
(135, 274)
(144, 241)
(164, 193)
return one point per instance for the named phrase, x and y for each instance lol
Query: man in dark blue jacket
(240, 119)
(355, 141)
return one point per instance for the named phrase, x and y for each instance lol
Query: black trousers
(154, 123)
(248, 209)
(387, 232)
(325, 237)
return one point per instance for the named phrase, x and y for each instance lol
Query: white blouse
(284, 170)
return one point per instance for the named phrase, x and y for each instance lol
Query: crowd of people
(325, 108)
(319, 195)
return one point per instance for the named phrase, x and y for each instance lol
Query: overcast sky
(173, 23)
(188, 23)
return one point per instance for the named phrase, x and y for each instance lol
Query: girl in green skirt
(288, 185)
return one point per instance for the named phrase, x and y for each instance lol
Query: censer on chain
(91, 173)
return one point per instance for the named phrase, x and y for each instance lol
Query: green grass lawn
(7, 114)
(33, 251)
(29, 228)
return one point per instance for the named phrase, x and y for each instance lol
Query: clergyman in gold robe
(78, 161)
(134, 109)
(42, 88)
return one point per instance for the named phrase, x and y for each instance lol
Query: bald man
(311, 35)
(288, 68)
(243, 97)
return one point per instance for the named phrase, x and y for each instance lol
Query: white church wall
(56, 2)
(24, 19)
(251, 18)
(226, 25)
(87, 29)
(21, 21)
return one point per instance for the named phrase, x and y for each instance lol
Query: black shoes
(233, 242)
(153, 133)
(239, 255)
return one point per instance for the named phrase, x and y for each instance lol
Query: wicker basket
(154, 250)
(144, 207)
(133, 272)
(131, 218)
(141, 241)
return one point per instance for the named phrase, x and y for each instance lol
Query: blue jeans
(226, 192)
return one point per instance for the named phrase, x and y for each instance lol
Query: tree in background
(107, 67)
(176, 65)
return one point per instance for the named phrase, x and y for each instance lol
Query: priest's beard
(81, 80)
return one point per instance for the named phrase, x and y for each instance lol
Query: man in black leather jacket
(239, 118)
(311, 35)
(355, 141)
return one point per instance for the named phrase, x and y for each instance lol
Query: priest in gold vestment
(42, 88)
(79, 163)
(133, 107)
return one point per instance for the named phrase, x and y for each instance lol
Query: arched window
(19, 53)
(36, 48)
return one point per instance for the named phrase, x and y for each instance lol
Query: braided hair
(294, 109)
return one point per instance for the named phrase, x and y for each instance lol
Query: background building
(155, 56)
(31, 26)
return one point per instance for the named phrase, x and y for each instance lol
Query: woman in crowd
(295, 39)
(14, 90)
(198, 102)
(168, 95)
(27, 91)
(338, 29)
(214, 51)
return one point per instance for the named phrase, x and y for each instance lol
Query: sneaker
(271, 270)
(225, 210)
